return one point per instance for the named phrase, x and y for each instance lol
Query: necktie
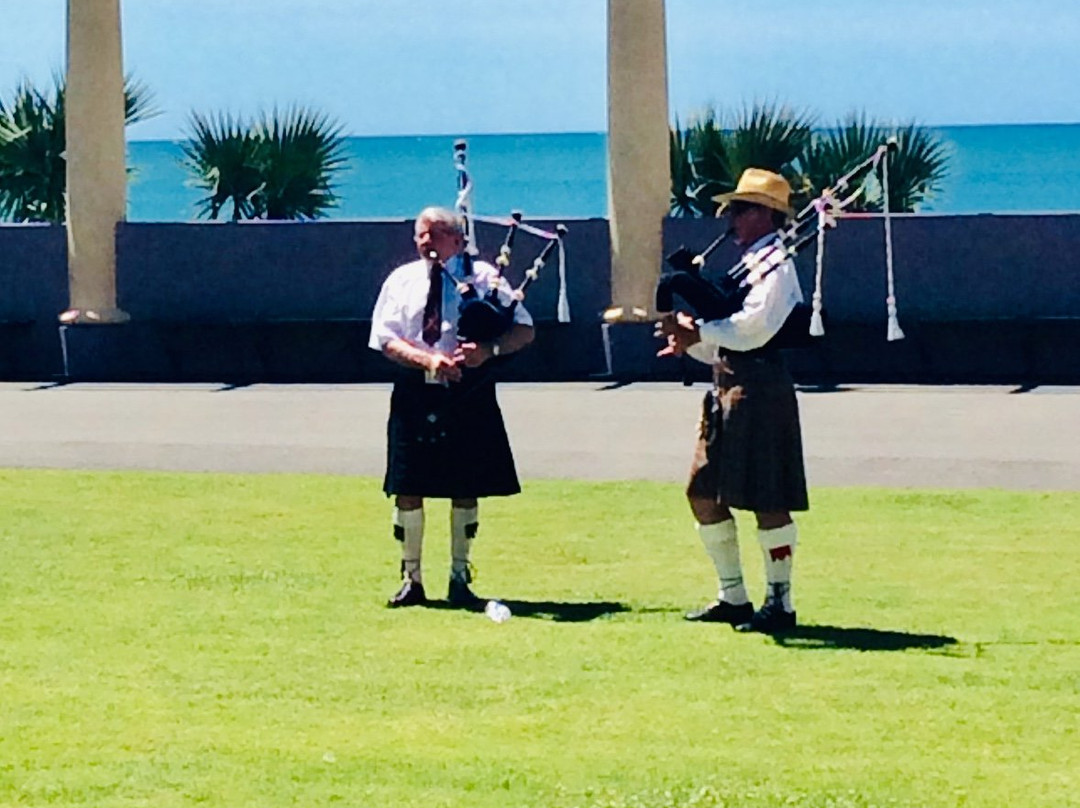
(433, 307)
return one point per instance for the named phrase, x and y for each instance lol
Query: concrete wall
(981, 299)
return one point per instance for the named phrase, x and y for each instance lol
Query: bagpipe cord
(563, 306)
(893, 331)
(817, 325)
(464, 208)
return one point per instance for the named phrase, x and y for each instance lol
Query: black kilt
(448, 442)
(749, 449)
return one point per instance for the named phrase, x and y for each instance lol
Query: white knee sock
(464, 523)
(409, 530)
(721, 542)
(778, 546)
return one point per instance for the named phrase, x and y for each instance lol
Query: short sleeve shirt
(767, 306)
(399, 311)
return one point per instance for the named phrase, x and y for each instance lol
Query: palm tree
(279, 167)
(225, 158)
(832, 153)
(684, 179)
(769, 136)
(699, 165)
(707, 157)
(33, 170)
(916, 167)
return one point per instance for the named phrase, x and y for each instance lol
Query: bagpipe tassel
(817, 326)
(893, 331)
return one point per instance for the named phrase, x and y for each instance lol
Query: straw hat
(760, 187)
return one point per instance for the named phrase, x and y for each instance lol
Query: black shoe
(720, 611)
(410, 594)
(461, 597)
(770, 619)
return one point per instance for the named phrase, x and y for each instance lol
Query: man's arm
(474, 354)
(435, 363)
(764, 311)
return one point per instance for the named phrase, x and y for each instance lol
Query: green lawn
(174, 640)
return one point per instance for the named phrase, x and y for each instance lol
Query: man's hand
(681, 331)
(472, 354)
(443, 367)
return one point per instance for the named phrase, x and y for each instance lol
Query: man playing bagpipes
(749, 450)
(445, 436)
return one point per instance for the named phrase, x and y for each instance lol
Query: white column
(96, 174)
(639, 174)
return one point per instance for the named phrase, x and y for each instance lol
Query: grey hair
(443, 216)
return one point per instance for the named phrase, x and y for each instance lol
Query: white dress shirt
(399, 311)
(767, 306)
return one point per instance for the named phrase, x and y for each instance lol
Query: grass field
(175, 640)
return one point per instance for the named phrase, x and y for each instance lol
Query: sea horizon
(993, 168)
(467, 135)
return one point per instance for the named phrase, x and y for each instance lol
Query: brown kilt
(749, 448)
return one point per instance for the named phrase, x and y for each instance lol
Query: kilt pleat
(749, 452)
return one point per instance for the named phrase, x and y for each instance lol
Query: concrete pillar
(639, 173)
(96, 173)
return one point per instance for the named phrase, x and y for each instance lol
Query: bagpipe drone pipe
(487, 314)
(485, 317)
(716, 299)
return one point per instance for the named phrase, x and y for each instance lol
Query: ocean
(992, 169)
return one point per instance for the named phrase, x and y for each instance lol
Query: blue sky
(395, 67)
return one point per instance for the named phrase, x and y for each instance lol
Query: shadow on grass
(563, 612)
(862, 639)
(556, 611)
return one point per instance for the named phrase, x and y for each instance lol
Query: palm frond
(917, 168)
(771, 136)
(225, 159)
(833, 152)
(281, 166)
(33, 168)
(139, 103)
(683, 176)
(32, 165)
(303, 151)
(699, 165)
(708, 157)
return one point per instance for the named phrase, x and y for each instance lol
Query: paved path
(880, 435)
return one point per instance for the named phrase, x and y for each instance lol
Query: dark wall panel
(945, 267)
(319, 270)
(33, 292)
(981, 298)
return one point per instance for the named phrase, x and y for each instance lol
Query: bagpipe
(485, 317)
(716, 299)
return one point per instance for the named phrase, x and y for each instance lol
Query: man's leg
(409, 530)
(464, 523)
(778, 536)
(717, 529)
